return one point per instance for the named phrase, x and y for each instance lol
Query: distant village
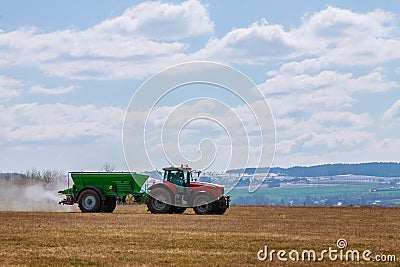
(350, 189)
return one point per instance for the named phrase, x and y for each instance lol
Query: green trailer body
(99, 191)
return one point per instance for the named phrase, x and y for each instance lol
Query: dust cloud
(32, 196)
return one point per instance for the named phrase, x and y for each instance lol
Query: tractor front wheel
(202, 204)
(157, 201)
(89, 201)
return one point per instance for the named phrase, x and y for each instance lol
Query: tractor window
(178, 177)
(175, 177)
(187, 178)
(167, 176)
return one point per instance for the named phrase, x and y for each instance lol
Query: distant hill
(380, 169)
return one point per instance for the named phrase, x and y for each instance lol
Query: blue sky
(329, 70)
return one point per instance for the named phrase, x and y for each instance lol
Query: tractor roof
(172, 168)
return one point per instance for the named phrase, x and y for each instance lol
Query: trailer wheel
(202, 204)
(89, 201)
(157, 201)
(109, 205)
(129, 199)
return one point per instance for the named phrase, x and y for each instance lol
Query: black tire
(89, 201)
(109, 205)
(157, 201)
(202, 204)
(176, 210)
(220, 206)
(219, 210)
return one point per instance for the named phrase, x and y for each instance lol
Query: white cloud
(161, 21)
(347, 140)
(309, 65)
(342, 140)
(314, 113)
(255, 44)
(340, 37)
(7, 82)
(51, 91)
(343, 37)
(372, 82)
(337, 119)
(313, 100)
(393, 112)
(152, 35)
(34, 122)
(335, 24)
(139, 42)
(84, 54)
(9, 88)
(6, 94)
(303, 95)
(284, 83)
(331, 37)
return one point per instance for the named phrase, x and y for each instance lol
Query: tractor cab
(179, 176)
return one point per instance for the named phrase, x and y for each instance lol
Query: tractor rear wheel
(89, 201)
(157, 201)
(219, 210)
(109, 205)
(202, 204)
(220, 206)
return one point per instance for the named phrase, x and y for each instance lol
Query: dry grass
(130, 236)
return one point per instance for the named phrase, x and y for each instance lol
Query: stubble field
(132, 237)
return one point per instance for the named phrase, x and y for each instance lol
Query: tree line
(46, 176)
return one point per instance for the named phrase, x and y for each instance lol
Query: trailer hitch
(68, 200)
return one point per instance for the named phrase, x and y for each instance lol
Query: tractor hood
(196, 183)
(215, 189)
(204, 184)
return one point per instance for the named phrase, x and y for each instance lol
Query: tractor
(180, 190)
